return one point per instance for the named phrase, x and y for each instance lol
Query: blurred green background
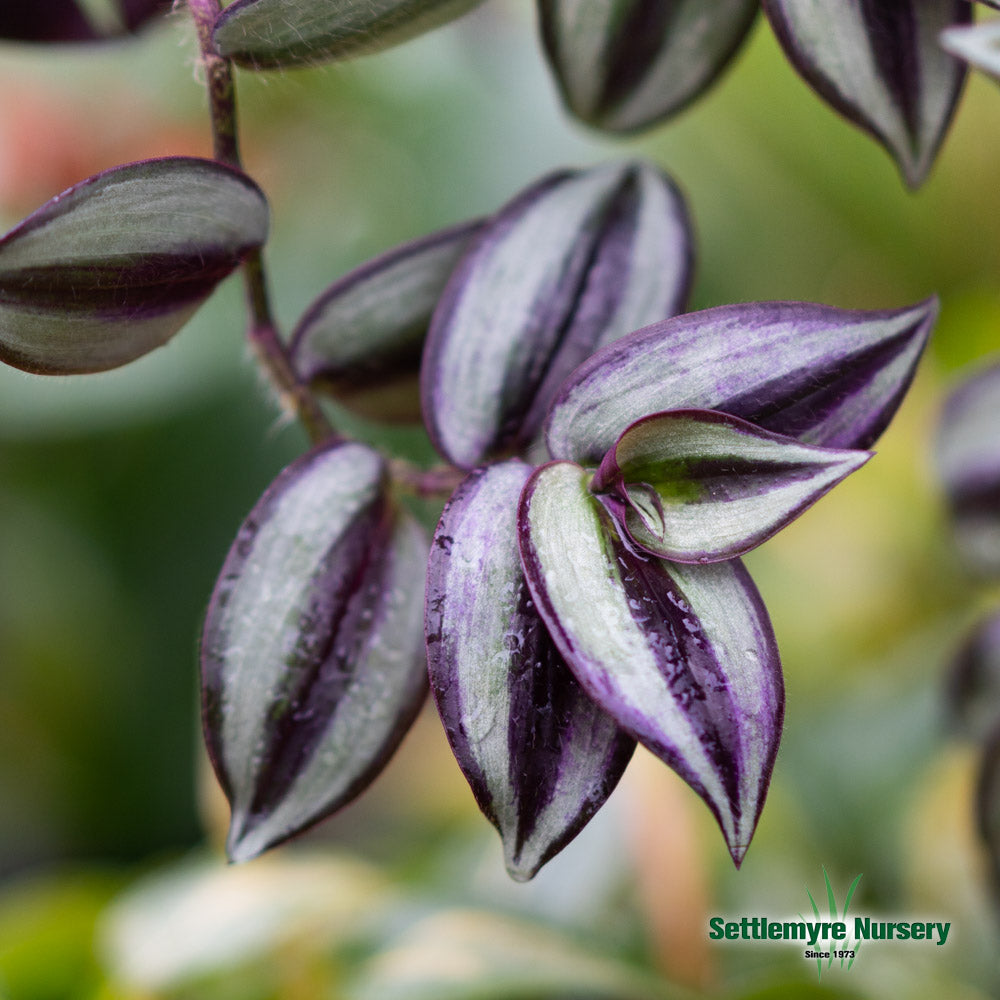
(119, 494)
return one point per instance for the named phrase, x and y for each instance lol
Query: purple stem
(262, 331)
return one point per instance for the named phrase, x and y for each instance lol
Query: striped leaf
(682, 657)
(979, 46)
(974, 680)
(826, 376)
(540, 756)
(878, 62)
(576, 261)
(701, 486)
(363, 338)
(312, 653)
(968, 459)
(625, 64)
(274, 34)
(116, 265)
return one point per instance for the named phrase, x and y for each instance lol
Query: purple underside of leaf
(879, 64)
(825, 376)
(576, 261)
(45, 21)
(310, 681)
(703, 486)
(682, 657)
(540, 757)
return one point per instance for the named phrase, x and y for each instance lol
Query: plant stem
(262, 331)
(437, 482)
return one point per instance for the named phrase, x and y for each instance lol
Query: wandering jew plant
(968, 459)
(607, 457)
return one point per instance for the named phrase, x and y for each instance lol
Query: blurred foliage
(119, 494)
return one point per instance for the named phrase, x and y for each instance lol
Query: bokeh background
(119, 495)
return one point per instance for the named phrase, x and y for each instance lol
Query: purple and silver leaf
(682, 657)
(277, 34)
(312, 654)
(623, 65)
(979, 46)
(878, 62)
(825, 376)
(573, 263)
(363, 338)
(540, 756)
(973, 682)
(968, 459)
(701, 486)
(116, 265)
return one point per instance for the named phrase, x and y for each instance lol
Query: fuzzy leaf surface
(540, 756)
(623, 65)
(364, 336)
(115, 266)
(825, 376)
(682, 657)
(968, 459)
(312, 652)
(275, 34)
(878, 62)
(573, 263)
(702, 486)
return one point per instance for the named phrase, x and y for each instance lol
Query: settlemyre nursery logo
(836, 938)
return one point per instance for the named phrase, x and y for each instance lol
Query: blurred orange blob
(50, 140)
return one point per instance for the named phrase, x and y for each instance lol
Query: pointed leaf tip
(312, 652)
(623, 65)
(574, 262)
(826, 376)
(701, 486)
(682, 657)
(540, 756)
(880, 65)
(112, 268)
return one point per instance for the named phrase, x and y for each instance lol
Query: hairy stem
(262, 331)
